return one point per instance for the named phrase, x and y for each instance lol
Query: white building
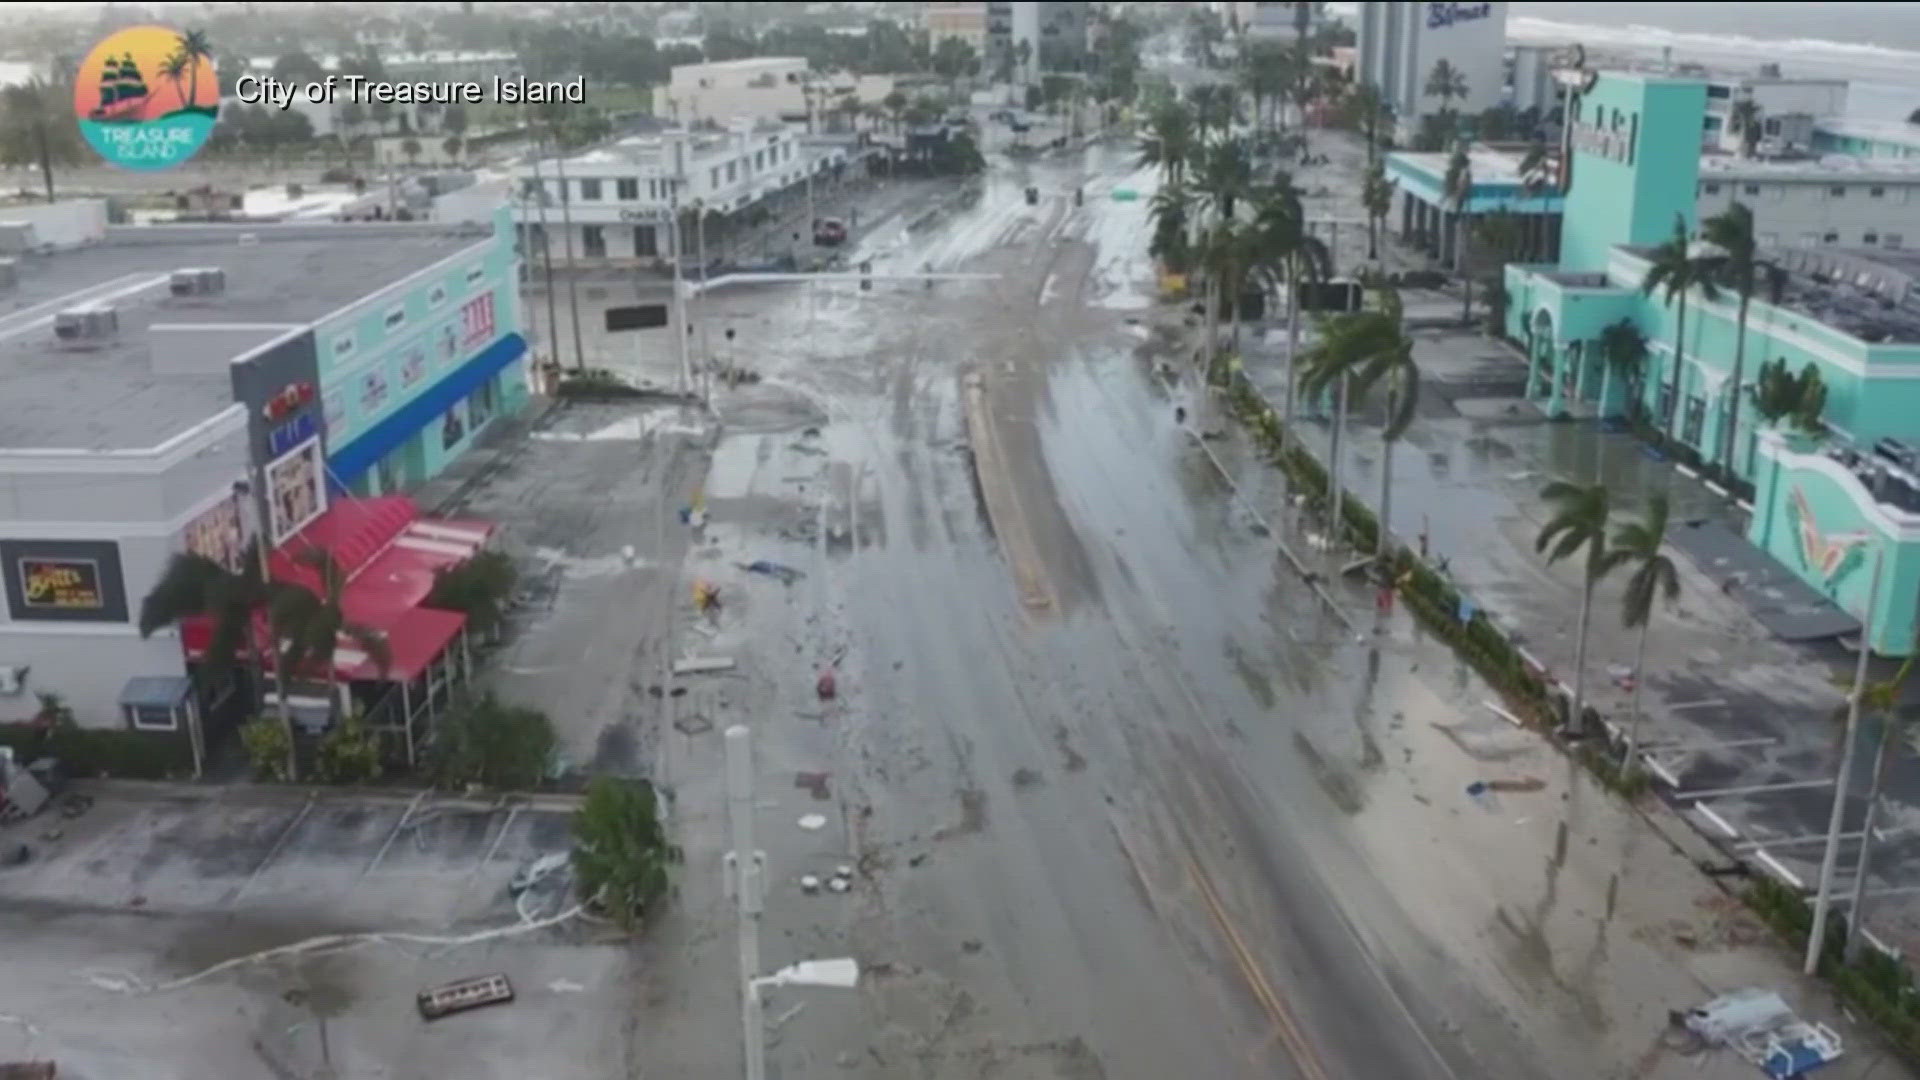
(764, 89)
(1834, 200)
(1271, 20)
(1787, 110)
(620, 197)
(1400, 44)
(1530, 81)
(966, 22)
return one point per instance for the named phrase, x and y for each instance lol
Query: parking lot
(277, 932)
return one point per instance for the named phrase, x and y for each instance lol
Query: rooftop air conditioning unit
(17, 237)
(94, 324)
(198, 281)
(9, 274)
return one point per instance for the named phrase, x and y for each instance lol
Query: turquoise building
(1822, 507)
(411, 375)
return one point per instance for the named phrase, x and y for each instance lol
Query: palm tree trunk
(1739, 364)
(1673, 381)
(1633, 706)
(1462, 265)
(1576, 720)
(1373, 236)
(46, 155)
(1856, 915)
(1383, 531)
(1335, 481)
(1293, 346)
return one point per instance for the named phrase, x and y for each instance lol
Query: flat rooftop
(1490, 166)
(1872, 294)
(1823, 169)
(109, 397)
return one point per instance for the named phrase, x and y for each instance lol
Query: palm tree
(1579, 521)
(1676, 271)
(1376, 196)
(1458, 185)
(37, 128)
(1744, 118)
(1356, 352)
(1368, 111)
(1498, 235)
(451, 144)
(1779, 395)
(193, 45)
(1625, 349)
(1638, 544)
(411, 148)
(1448, 83)
(896, 105)
(312, 622)
(1735, 263)
(1281, 220)
(1170, 143)
(1883, 700)
(1169, 210)
(1226, 176)
(176, 68)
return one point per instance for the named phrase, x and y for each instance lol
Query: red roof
(391, 557)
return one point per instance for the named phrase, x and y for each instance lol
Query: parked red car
(829, 232)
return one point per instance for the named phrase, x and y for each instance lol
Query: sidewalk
(1585, 917)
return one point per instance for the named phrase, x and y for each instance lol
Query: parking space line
(1659, 769)
(512, 813)
(1782, 872)
(1752, 789)
(1703, 703)
(1796, 841)
(405, 817)
(1718, 821)
(273, 852)
(1682, 748)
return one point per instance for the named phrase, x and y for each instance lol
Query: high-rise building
(1401, 44)
(1054, 31)
(965, 21)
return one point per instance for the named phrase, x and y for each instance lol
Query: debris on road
(463, 995)
(1758, 1025)
(813, 782)
(813, 822)
(1521, 785)
(826, 686)
(701, 665)
(706, 595)
(786, 574)
(537, 871)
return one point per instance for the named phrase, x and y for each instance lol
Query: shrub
(267, 744)
(596, 384)
(621, 855)
(479, 588)
(116, 752)
(488, 742)
(349, 753)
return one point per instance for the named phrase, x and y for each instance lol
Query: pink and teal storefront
(412, 375)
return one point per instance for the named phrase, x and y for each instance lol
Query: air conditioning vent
(198, 281)
(95, 324)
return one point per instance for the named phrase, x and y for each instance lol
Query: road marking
(1718, 821)
(1287, 1030)
(405, 816)
(1657, 768)
(1703, 703)
(1752, 789)
(273, 852)
(1782, 872)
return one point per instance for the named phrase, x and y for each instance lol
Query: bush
(116, 752)
(596, 384)
(267, 744)
(621, 855)
(349, 753)
(479, 588)
(487, 742)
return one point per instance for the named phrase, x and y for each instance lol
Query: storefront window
(1695, 419)
(452, 429)
(480, 405)
(388, 471)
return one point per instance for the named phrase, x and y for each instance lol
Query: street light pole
(1821, 899)
(745, 880)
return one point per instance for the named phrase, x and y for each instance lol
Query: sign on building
(63, 580)
(295, 494)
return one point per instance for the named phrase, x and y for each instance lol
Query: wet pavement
(1118, 795)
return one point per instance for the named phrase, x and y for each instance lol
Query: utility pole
(566, 222)
(1821, 899)
(546, 259)
(706, 343)
(680, 327)
(746, 866)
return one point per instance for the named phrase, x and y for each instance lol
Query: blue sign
(1440, 15)
(289, 435)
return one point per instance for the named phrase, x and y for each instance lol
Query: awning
(156, 692)
(415, 639)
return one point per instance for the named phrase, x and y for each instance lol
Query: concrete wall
(1629, 182)
(1808, 211)
(64, 224)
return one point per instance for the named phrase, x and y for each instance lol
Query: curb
(252, 792)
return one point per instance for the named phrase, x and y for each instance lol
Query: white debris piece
(698, 665)
(813, 822)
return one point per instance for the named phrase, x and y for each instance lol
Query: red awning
(415, 640)
(391, 557)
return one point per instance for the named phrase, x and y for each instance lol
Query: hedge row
(1876, 984)
(136, 755)
(1434, 601)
